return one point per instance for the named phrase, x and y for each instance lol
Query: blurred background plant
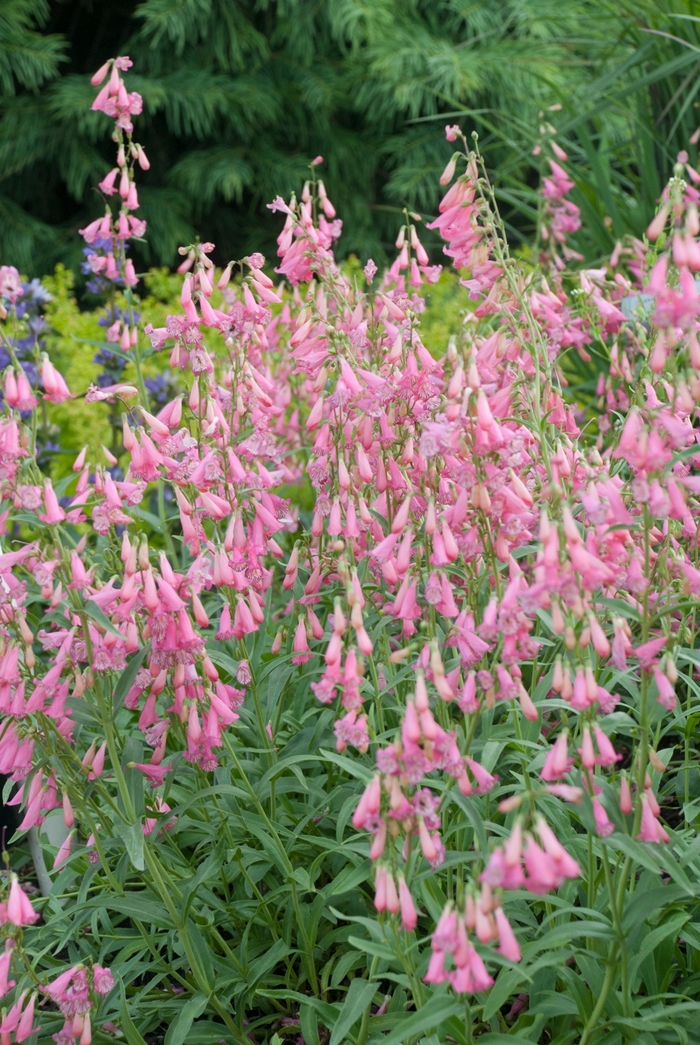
(239, 95)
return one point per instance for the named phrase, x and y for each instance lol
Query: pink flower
(603, 825)
(5, 961)
(301, 644)
(369, 803)
(54, 513)
(471, 976)
(352, 730)
(651, 828)
(102, 979)
(542, 874)
(409, 916)
(607, 756)
(557, 761)
(55, 388)
(12, 1019)
(10, 286)
(19, 908)
(25, 1025)
(507, 943)
(666, 693)
(625, 796)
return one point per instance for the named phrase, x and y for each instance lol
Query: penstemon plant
(362, 681)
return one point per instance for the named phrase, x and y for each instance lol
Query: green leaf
(132, 835)
(130, 1032)
(178, 1030)
(348, 879)
(651, 941)
(644, 902)
(141, 906)
(101, 618)
(203, 955)
(272, 847)
(349, 765)
(147, 517)
(370, 947)
(620, 608)
(127, 677)
(208, 869)
(222, 660)
(308, 1024)
(646, 856)
(133, 752)
(266, 962)
(507, 982)
(554, 1003)
(328, 1013)
(503, 1039)
(430, 1017)
(357, 1000)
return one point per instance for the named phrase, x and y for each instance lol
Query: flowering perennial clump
(319, 548)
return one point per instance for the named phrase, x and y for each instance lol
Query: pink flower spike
(64, 851)
(55, 388)
(603, 825)
(409, 916)
(57, 987)
(392, 897)
(567, 792)
(19, 908)
(380, 888)
(103, 979)
(586, 751)
(651, 828)
(607, 756)
(625, 796)
(369, 803)
(25, 1026)
(109, 393)
(666, 692)
(5, 962)
(98, 762)
(12, 1018)
(54, 513)
(86, 1033)
(107, 183)
(484, 780)
(507, 943)
(557, 761)
(97, 78)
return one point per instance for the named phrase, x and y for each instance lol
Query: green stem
(377, 701)
(148, 940)
(617, 922)
(163, 522)
(603, 997)
(364, 1026)
(409, 968)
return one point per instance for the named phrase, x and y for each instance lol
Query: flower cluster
(470, 557)
(107, 236)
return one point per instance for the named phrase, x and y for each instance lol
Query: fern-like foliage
(27, 57)
(239, 96)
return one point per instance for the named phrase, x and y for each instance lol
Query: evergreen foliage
(239, 96)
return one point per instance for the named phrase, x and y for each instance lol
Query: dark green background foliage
(240, 94)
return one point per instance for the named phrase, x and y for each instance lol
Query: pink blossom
(19, 909)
